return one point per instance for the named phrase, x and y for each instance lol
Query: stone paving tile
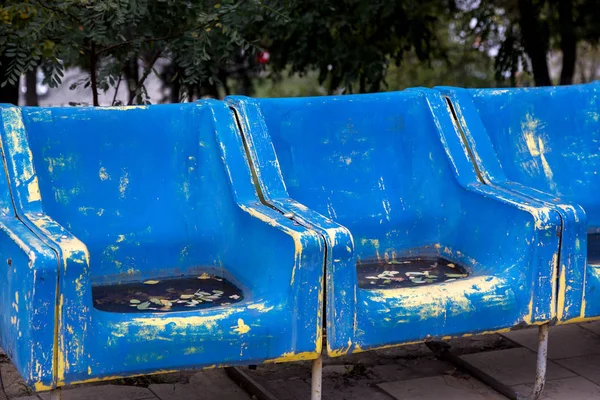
(440, 387)
(591, 326)
(335, 386)
(586, 366)
(14, 386)
(297, 389)
(514, 366)
(104, 392)
(211, 384)
(409, 369)
(32, 397)
(476, 344)
(348, 378)
(333, 370)
(577, 388)
(350, 392)
(581, 342)
(289, 389)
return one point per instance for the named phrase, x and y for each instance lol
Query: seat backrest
(144, 188)
(548, 139)
(373, 163)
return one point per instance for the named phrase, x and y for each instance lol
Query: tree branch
(146, 73)
(116, 90)
(156, 39)
(47, 7)
(568, 41)
(93, 78)
(125, 43)
(535, 41)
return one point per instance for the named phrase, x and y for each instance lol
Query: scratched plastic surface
(545, 143)
(136, 194)
(383, 177)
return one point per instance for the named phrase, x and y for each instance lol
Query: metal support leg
(56, 394)
(317, 378)
(542, 357)
(442, 351)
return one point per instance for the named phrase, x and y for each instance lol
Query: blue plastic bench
(545, 143)
(134, 242)
(387, 181)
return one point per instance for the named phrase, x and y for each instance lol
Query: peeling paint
(126, 108)
(260, 307)
(561, 309)
(33, 191)
(103, 174)
(241, 327)
(123, 183)
(292, 357)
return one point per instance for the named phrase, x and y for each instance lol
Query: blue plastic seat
(134, 242)
(544, 143)
(386, 180)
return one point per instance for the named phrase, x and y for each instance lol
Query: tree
(31, 96)
(352, 42)
(524, 32)
(106, 37)
(460, 64)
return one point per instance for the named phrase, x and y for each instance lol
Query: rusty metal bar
(250, 386)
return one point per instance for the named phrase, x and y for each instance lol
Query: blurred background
(120, 52)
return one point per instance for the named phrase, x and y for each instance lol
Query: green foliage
(101, 35)
(463, 66)
(522, 29)
(289, 85)
(352, 42)
(458, 63)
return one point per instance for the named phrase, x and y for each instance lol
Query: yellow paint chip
(241, 327)
(151, 282)
(40, 387)
(123, 183)
(291, 356)
(562, 283)
(33, 191)
(103, 174)
(536, 147)
(260, 307)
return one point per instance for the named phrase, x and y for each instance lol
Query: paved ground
(409, 372)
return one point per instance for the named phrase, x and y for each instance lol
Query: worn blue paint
(28, 268)
(543, 143)
(387, 174)
(128, 194)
